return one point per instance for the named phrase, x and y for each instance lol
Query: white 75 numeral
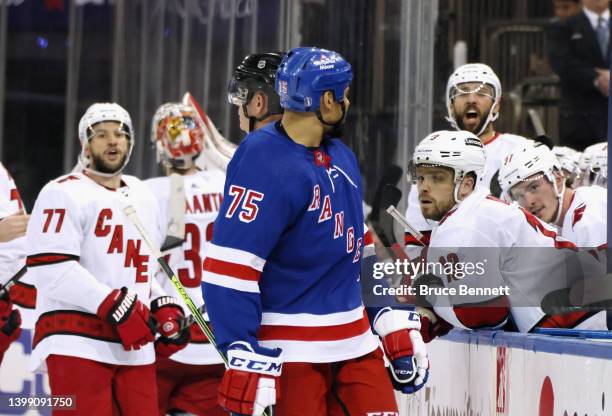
(248, 198)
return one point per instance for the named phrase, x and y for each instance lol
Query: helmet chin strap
(560, 195)
(337, 126)
(86, 162)
(491, 117)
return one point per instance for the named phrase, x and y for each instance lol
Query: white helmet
(598, 166)
(97, 113)
(460, 150)
(177, 135)
(472, 73)
(535, 158)
(568, 158)
(586, 158)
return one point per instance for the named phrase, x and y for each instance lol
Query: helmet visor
(237, 93)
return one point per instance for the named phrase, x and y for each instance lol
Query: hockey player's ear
(467, 186)
(260, 103)
(327, 100)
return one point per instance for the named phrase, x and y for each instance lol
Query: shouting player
(473, 98)
(281, 279)
(99, 304)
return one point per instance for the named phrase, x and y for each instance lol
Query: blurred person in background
(579, 52)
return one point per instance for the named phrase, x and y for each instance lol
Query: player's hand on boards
(404, 347)
(169, 314)
(132, 320)
(13, 226)
(432, 326)
(251, 382)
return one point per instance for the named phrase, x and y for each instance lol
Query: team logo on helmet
(261, 64)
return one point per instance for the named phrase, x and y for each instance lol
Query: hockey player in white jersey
(98, 302)
(473, 96)
(474, 227)
(187, 197)
(532, 176)
(22, 294)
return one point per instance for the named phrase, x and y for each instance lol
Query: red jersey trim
(23, 295)
(43, 259)
(77, 323)
(566, 320)
(495, 137)
(314, 333)
(197, 336)
(484, 315)
(235, 270)
(410, 240)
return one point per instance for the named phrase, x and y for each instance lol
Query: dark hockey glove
(432, 325)
(132, 320)
(169, 314)
(10, 325)
(404, 347)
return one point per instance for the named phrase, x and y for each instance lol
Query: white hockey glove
(251, 381)
(404, 347)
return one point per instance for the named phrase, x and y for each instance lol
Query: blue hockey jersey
(283, 267)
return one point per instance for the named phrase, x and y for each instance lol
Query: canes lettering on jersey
(133, 258)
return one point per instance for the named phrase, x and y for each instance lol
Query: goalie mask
(97, 113)
(482, 75)
(177, 136)
(461, 151)
(528, 164)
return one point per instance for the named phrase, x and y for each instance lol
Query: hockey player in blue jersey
(281, 278)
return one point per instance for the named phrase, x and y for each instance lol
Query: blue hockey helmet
(305, 73)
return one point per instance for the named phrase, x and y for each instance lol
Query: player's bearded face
(472, 103)
(108, 147)
(436, 187)
(537, 195)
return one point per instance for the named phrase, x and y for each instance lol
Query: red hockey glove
(404, 347)
(130, 317)
(169, 315)
(10, 325)
(251, 383)
(432, 325)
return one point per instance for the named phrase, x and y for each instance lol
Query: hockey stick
(392, 211)
(176, 213)
(132, 216)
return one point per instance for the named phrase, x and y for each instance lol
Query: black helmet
(256, 72)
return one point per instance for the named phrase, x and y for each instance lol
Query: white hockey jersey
(585, 222)
(13, 255)
(203, 193)
(81, 246)
(495, 149)
(514, 248)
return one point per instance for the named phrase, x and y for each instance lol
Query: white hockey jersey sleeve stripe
(236, 256)
(230, 282)
(311, 320)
